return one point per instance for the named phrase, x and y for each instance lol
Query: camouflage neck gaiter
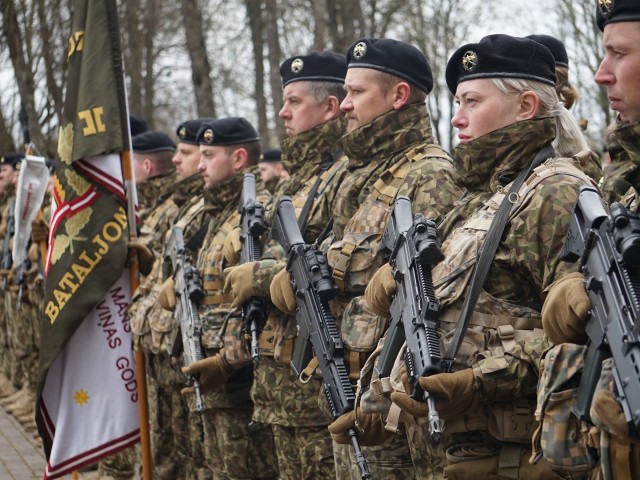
(497, 157)
(187, 189)
(306, 149)
(392, 132)
(628, 137)
(221, 196)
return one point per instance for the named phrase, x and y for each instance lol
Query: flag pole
(141, 371)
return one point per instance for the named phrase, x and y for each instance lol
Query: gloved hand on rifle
(282, 295)
(565, 311)
(213, 373)
(380, 290)
(145, 256)
(238, 281)
(167, 295)
(456, 394)
(232, 247)
(606, 412)
(369, 427)
(39, 230)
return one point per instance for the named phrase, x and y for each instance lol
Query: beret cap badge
(297, 65)
(182, 132)
(470, 61)
(605, 7)
(208, 135)
(359, 50)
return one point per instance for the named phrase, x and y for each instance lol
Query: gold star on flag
(81, 397)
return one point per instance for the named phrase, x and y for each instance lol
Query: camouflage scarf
(391, 133)
(497, 157)
(628, 137)
(221, 196)
(307, 149)
(186, 189)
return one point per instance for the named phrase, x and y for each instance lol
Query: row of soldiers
(359, 137)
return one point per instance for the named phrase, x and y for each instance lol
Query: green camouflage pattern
(152, 192)
(628, 137)
(561, 435)
(391, 460)
(236, 448)
(304, 452)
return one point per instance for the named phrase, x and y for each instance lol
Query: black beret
(314, 67)
(501, 56)
(555, 46)
(392, 57)
(137, 125)
(13, 159)
(271, 155)
(151, 142)
(188, 131)
(611, 11)
(227, 131)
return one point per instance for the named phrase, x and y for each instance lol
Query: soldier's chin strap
(487, 253)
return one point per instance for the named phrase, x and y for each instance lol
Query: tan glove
(370, 429)
(380, 290)
(606, 412)
(282, 295)
(212, 372)
(145, 256)
(456, 394)
(239, 282)
(566, 310)
(39, 230)
(232, 247)
(167, 295)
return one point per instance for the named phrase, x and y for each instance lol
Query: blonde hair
(567, 92)
(570, 138)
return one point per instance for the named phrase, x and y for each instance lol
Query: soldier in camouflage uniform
(391, 152)
(152, 154)
(567, 307)
(181, 202)
(508, 113)
(272, 171)
(236, 447)
(312, 92)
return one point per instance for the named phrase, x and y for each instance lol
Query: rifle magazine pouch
(361, 329)
(236, 343)
(561, 438)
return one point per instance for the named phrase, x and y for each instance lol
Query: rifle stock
(607, 247)
(318, 333)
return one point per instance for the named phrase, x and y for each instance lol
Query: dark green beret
(271, 155)
(187, 131)
(227, 131)
(13, 159)
(393, 57)
(137, 125)
(501, 56)
(611, 11)
(555, 46)
(151, 142)
(314, 67)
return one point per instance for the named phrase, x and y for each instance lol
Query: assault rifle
(313, 286)
(188, 328)
(415, 248)
(252, 225)
(608, 248)
(6, 252)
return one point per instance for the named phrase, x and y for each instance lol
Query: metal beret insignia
(605, 7)
(359, 50)
(2, 160)
(182, 132)
(208, 135)
(297, 65)
(470, 61)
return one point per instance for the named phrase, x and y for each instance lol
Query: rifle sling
(195, 242)
(302, 219)
(487, 253)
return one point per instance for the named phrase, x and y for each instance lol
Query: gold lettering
(67, 282)
(90, 128)
(111, 231)
(76, 43)
(121, 217)
(52, 312)
(81, 272)
(61, 297)
(97, 117)
(91, 262)
(103, 247)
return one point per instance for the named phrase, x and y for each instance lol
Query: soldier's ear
(331, 108)
(240, 159)
(401, 92)
(528, 105)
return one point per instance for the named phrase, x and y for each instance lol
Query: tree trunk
(254, 15)
(275, 57)
(200, 66)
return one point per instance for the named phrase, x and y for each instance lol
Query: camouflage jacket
(393, 155)
(628, 137)
(149, 193)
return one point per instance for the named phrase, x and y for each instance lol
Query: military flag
(86, 394)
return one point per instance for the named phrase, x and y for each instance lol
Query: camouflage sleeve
(263, 273)
(435, 190)
(614, 182)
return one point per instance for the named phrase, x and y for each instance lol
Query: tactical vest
(495, 327)
(355, 258)
(149, 229)
(149, 321)
(278, 334)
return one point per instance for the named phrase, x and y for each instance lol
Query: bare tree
(256, 25)
(275, 57)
